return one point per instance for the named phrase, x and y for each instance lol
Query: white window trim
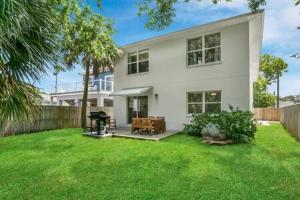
(203, 51)
(138, 62)
(203, 101)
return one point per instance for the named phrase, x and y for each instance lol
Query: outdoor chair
(147, 125)
(163, 123)
(136, 124)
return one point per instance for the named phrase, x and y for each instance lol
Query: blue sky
(281, 37)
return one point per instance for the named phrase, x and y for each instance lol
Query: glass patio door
(137, 106)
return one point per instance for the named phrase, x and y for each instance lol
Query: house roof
(213, 25)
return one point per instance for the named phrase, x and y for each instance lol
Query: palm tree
(27, 36)
(87, 36)
(97, 65)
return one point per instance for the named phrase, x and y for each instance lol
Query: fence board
(268, 114)
(290, 118)
(50, 117)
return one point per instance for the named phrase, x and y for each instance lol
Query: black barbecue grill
(101, 119)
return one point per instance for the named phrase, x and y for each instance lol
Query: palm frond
(18, 100)
(27, 43)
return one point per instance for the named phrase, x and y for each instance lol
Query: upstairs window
(138, 62)
(195, 51)
(205, 49)
(199, 102)
(212, 48)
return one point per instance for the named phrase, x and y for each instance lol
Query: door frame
(138, 102)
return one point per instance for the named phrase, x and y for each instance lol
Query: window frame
(138, 62)
(203, 50)
(194, 103)
(203, 100)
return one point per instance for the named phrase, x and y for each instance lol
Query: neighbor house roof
(209, 26)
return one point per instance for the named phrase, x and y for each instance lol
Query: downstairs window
(199, 102)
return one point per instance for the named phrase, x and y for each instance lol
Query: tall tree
(87, 37)
(27, 43)
(272, 69)
(262, 98)
(161, 13)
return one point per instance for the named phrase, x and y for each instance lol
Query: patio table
(157, 125)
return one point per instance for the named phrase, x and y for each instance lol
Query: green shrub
(198, 123)
(236, 125)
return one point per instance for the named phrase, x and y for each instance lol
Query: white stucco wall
(255, 35)
(172, 79)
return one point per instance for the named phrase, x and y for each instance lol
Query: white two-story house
(201, 69)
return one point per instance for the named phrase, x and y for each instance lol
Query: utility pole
(56, 82)
(277, 90)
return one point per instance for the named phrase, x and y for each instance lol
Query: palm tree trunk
(86, 63)
(277, 90)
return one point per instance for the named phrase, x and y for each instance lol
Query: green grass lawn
(62, 164)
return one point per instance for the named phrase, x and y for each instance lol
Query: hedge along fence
(290, 118)
(268, 114)
(48, 118)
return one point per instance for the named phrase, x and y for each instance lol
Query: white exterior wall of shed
(172, 79)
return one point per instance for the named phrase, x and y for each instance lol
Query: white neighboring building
(202, 69)
(98, 95)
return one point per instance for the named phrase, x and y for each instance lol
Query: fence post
(298, 122)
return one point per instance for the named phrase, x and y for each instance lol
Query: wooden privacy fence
(290, 119)
(50, 117)
(268, 114)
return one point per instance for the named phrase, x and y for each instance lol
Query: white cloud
(281, 37)
(235, 4)
(205, 11)
(281, 21)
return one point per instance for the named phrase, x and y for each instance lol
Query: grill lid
(99, 114)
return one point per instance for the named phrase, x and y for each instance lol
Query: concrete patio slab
(95, 135)
(126, 133)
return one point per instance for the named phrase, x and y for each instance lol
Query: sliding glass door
(137, 106)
